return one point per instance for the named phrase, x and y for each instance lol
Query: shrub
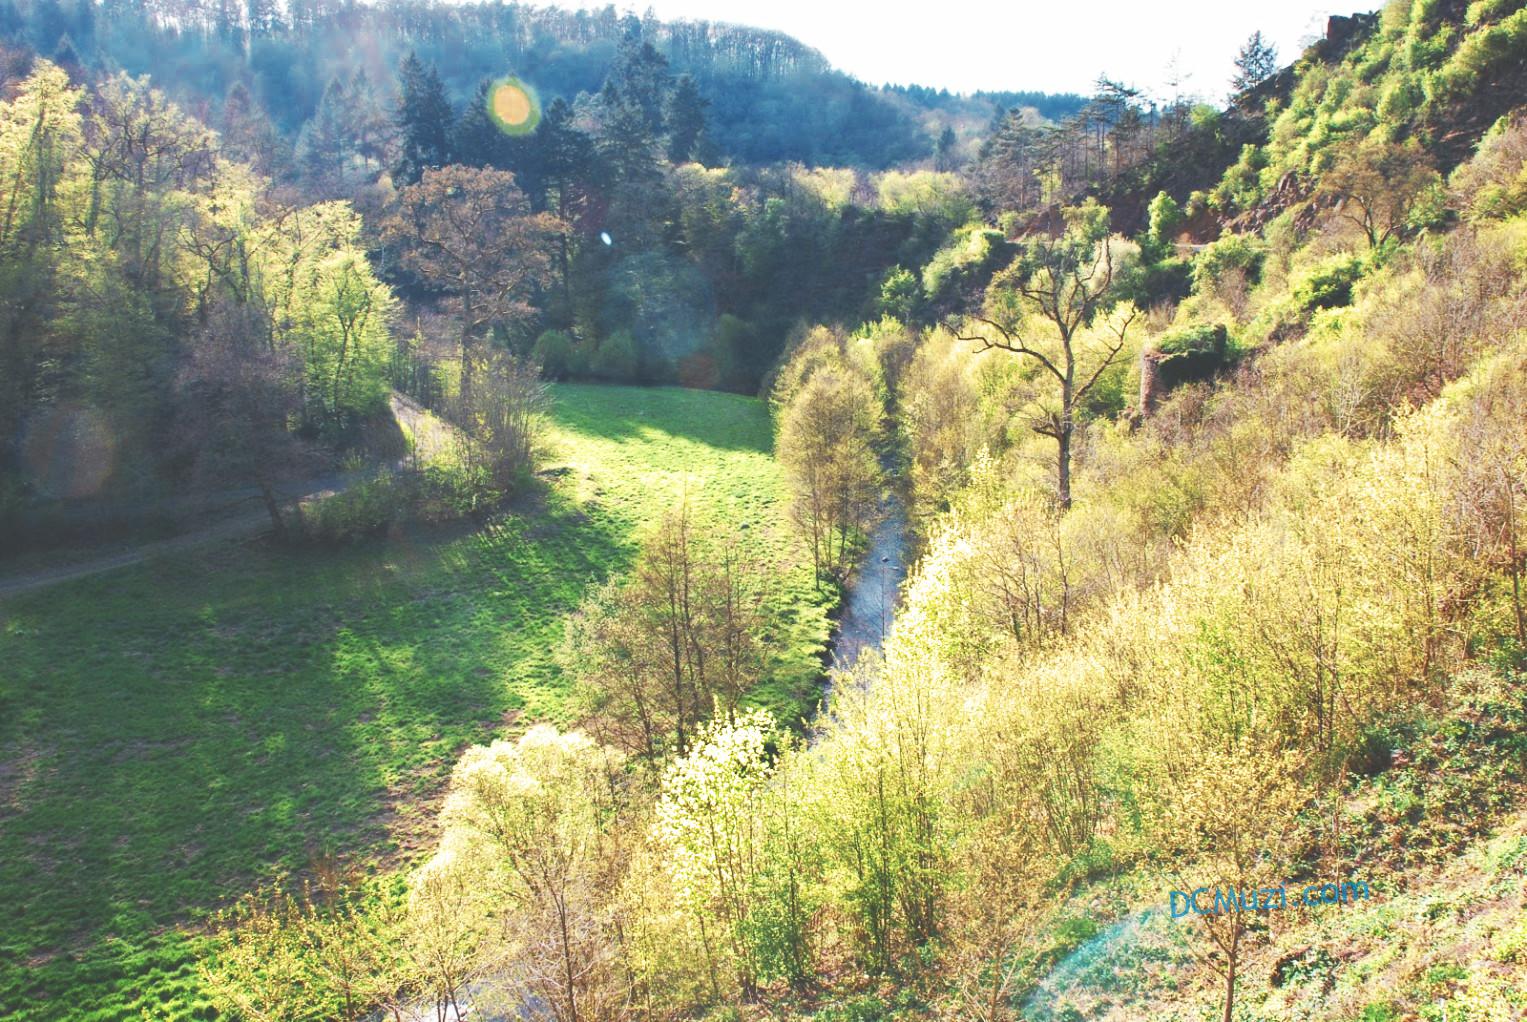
(1165, 218)
(1493, 185)
(554, 353)
(1329, 284)
(616, 357)
(1170, 280)
(1226, 270)
(367, 508)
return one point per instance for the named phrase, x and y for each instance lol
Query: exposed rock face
(1181, 356)
(1343, 32)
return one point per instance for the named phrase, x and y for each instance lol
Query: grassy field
(173, 733)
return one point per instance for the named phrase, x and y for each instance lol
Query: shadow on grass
(172, 733)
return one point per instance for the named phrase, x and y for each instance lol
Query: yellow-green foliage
(929, 193)
(1493, 185)
(1403, 80)
(1244, 586)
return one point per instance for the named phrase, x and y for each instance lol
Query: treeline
(772, 99)
(159, 304)
(172, 322)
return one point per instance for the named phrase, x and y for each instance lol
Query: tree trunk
(273, 508)
(567, 962)
(1230, 974)
(1063, 462)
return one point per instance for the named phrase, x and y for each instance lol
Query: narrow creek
(871, 596)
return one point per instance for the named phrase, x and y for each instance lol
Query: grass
(174, 733)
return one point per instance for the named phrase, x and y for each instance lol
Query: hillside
(1201, 430)
(770, 98)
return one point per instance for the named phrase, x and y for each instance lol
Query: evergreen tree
(367, 122)
(262, 16)
(642, 78)
(478, 142)
(1257, 62)
(324, 148)
(943, 151)
(49, 25)
(12, 24)
(686, 120)
(423, 120)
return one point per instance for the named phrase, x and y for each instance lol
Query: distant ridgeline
(770, 97)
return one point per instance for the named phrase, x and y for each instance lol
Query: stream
(871, 596)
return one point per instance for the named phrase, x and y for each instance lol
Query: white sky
(1056, 46)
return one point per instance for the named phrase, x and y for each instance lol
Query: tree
(1254, 64)
(676, 641)
(943, 150)
(503, 414)
(248, 135)
(40, 139)
(325, 149)
(308, 954)
(535, 813)
(1166, 217)
(423, 121)
(824, 443)
(1064, 285)
(1374, 183)
(1242, 857)
(469, 234)
(710, 818)
(641, 78)
(900, 294)
(237, 397)
(686, 120)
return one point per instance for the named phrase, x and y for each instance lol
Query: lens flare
(514, 107)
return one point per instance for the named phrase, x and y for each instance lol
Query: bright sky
(1056, 46)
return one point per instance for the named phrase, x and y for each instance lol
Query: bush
(1234, 258)
(554, 353)
(367, 508)
(1329, 284)
(616, 357)
(1170, 280)
(1493, 185)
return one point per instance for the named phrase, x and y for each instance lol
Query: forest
(441, 481)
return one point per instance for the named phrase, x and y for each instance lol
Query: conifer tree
(1257, 62)
(423, 119)
(686, 120)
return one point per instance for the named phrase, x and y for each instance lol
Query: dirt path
(431, 436)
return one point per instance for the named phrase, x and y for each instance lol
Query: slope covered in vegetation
(1222, 589)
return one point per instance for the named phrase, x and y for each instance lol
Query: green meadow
(175, 733)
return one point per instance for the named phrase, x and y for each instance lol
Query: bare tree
(504, 414)
(237, 396)
(470, 234)
(1063, 285)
